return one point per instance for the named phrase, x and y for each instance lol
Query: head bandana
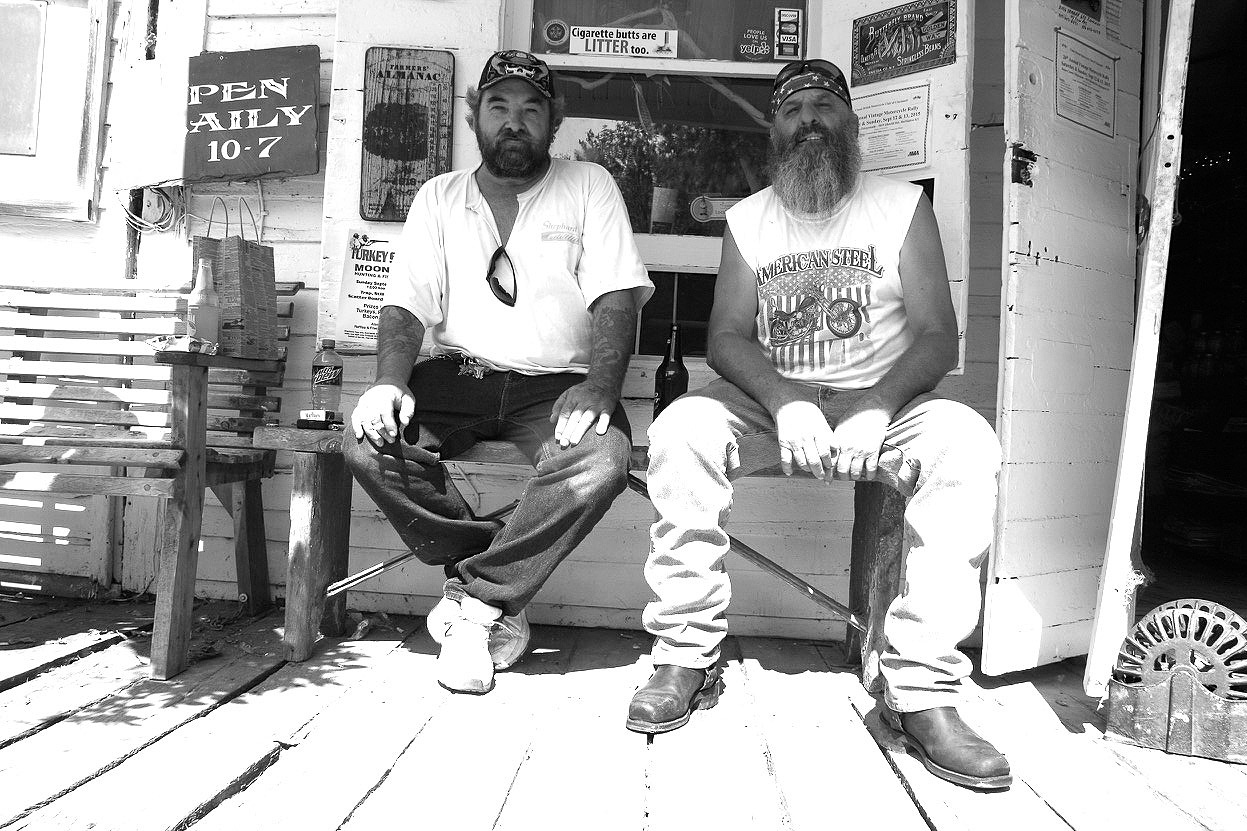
(811, 74)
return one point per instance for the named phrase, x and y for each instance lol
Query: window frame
(662, 252)
(79, 201)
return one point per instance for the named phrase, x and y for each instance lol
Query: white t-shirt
(830, 306)
(571, 243)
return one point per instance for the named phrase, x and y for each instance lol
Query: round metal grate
(1200, 635)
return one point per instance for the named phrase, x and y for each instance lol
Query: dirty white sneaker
(508, 637)
(464, 664)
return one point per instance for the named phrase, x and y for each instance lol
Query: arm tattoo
(399, 335)
(613, 331)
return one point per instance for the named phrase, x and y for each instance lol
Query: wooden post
(250, 548)
(876, 571)
(179, 547)
(320, 516)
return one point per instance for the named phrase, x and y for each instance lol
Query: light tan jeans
(940, 454)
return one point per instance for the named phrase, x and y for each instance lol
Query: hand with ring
(382, 413)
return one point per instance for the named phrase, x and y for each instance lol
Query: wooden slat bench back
(88, 401)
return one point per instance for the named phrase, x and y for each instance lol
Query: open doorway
(1195, 503)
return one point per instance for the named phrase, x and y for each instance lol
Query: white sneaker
(464, 664)
(508, 637)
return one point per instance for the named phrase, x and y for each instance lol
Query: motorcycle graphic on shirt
(814, 307)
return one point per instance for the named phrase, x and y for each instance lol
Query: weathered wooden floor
(360, 738)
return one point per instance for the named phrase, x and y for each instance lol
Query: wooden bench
(83, 392)
(320, 542)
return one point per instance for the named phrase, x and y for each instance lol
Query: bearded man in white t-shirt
(522, 279)
(832, 323)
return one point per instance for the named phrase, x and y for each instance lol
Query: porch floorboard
(360, 737)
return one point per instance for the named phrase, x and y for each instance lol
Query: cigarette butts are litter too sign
(251, 114)
(611, 40)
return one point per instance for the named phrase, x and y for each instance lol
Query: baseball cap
(512, 63)
(811, 74)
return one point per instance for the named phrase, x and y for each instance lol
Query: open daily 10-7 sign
(251, 114)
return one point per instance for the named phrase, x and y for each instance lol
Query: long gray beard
(814, 178)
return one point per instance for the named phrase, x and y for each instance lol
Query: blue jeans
(941, 455)
(502, 565)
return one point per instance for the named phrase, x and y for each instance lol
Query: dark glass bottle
(671, 378)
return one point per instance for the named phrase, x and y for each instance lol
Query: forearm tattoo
(614, 328)
(399, 335)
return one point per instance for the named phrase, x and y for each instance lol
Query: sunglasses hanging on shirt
(497, 274)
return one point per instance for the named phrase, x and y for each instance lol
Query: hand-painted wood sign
(408, 101)
(252, 114)
(903, 40)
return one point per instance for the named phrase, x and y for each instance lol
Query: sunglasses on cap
(512, 63)
(495, 285)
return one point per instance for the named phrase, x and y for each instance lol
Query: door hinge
(1023, 163)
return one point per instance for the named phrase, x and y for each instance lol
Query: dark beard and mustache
(513, 159)
(814, 177)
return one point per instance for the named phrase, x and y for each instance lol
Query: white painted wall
(804, 524)
(1069, 312)
(67, 534)
(288, 219)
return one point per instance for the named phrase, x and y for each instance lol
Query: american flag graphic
(806, 328)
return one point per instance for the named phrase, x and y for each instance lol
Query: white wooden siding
(1065, 352)
(804, 524)
(291, 224)
(64, 533)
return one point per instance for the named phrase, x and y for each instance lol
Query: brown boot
(671, 695)
(950, 749)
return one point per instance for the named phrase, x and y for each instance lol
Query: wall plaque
(252, 114)
(408, 102)
(903, 40)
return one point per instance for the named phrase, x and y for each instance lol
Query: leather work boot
(671, 695)
(950, 749)
(508, 637)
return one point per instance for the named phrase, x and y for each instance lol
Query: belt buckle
(473, 368)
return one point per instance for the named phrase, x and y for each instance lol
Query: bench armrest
(218, 361)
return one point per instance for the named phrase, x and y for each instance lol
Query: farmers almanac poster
(408, 101)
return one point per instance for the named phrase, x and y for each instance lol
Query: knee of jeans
(604, 471)
(967, 434)
(691, 422)
(360, 456)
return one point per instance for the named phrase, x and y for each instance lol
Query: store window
(671, 97)
(53, 72)
(683, 149)
(21, 71)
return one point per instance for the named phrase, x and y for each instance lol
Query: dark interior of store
(1195, 497)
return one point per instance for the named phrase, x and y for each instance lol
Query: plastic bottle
(327, 377)
(203, 314)
(671, 378)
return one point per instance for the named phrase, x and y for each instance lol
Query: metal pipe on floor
(775, 569)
